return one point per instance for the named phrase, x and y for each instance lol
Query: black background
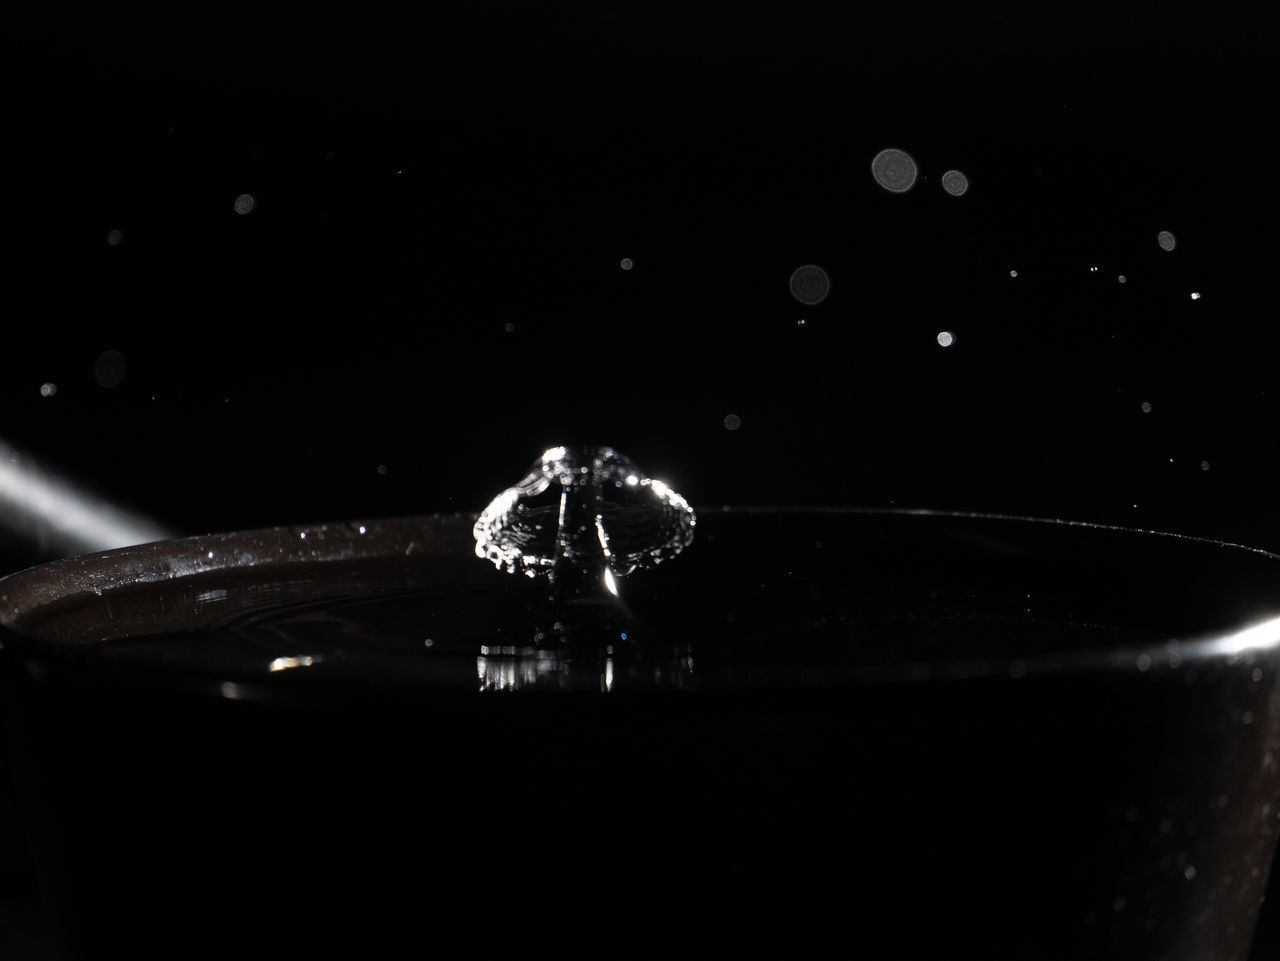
(424, 180)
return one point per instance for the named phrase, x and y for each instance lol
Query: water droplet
(245, 203)
(801, 322)
(48, 389)
(894, 170)
(428, 642)
(955, 183)
(559, 513)
(382, 469)
(1195, 295)
(626, 263)
(114, 237)
(1146, 407)
(1144, 662)
(109, 368)
(810, 285)
(1204, 465)
(1190, 872)
(508, 327)
(1123, 279)
(946, 338)
(732, 422)
(1166, 240)
(1013, 273)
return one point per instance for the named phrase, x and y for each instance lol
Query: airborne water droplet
(894, 170)
(584, 507)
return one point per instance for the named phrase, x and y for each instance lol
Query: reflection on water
(515, 668)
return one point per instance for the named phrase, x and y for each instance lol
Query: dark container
(905, 734)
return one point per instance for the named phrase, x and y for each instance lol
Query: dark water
(911, 733)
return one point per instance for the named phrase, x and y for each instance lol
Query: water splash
(588, 508)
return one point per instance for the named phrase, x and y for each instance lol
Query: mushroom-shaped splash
(586, 508)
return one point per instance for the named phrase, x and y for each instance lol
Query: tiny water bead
(48, 389)
(732, 422)
(1122, 279)
(946, 338)
(245, 203)
(955, 183)
(1146, 407)
(114, 237)
(586, 507)
(810, 285)
(626, 263)
(894, 170)
(1166, 240)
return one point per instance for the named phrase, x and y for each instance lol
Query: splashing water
(586, 508)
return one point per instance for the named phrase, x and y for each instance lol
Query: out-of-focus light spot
(894, 170)
(363, 529)
(1190, 872)
(626, 263)
(1166, 240)
(382, 469)
(955, 183)
(1013, 273)
(946, 338)
(1195, 295)
(1122, 279)
(114, 237)
(508, 327)
(1093, 270)
(1119, 903)
(1204, 465)
(732, 422)
(48, 389)
(810, 285)
(1144, 662)
(210, 555)
(801, 322)
(1261, 636)
(288, 663)
(623, 635)
(429, 642)
(1146, 407)
(232, 691)
(245, 203)
(108, 369)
